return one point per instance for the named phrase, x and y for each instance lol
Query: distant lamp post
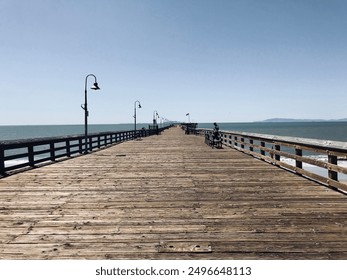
(85, 108)
(188, 115)
(155, 116)
(155, 123)
(139, 106)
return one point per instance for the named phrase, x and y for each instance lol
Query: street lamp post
(188, 115)
(139, 106)
(155, 123)
(155, 116)
(85, 108)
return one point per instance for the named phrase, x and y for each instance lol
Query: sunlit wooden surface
(169, 197)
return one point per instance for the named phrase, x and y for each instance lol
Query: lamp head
(140, 105)
(95, 86)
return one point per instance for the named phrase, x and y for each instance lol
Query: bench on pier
(213, 141)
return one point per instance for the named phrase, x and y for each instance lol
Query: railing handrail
(309, 142)
(269, 149)
(66, 146)
(58, 138)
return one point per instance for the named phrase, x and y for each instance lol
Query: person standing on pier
(216, 131)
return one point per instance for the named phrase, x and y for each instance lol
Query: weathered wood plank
(136, 199)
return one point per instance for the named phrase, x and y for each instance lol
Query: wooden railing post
(68, 152)
(242, 141)
(262, 144)
(2, 160)
(332, 174)
(251, 143)
(277, 148)
(31, 155)
(52, 151)
(80, 145)
(298, 163)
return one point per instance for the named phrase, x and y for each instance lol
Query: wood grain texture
(169, 197)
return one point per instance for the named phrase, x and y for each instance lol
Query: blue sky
(220, 60)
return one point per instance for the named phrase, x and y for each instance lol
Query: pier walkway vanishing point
(169, 197)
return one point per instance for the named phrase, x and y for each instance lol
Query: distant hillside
(303, 120)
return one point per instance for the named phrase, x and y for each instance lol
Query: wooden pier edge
(169, 197)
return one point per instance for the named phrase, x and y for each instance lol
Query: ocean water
(336, 131)
(36, 131)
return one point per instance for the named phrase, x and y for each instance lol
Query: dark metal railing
(292, 153)
(18, 154)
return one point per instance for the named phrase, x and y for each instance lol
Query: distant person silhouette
(216, 131)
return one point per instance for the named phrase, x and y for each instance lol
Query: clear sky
(219, 60)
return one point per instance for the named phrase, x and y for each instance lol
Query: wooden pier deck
(169, 197)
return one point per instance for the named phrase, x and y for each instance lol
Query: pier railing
(313, 158)
(18, 154)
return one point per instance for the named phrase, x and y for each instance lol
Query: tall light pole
(85, 108)
(139, 106)
(188, 115)
(155, 116)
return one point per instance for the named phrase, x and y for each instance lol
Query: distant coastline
(303, 120)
